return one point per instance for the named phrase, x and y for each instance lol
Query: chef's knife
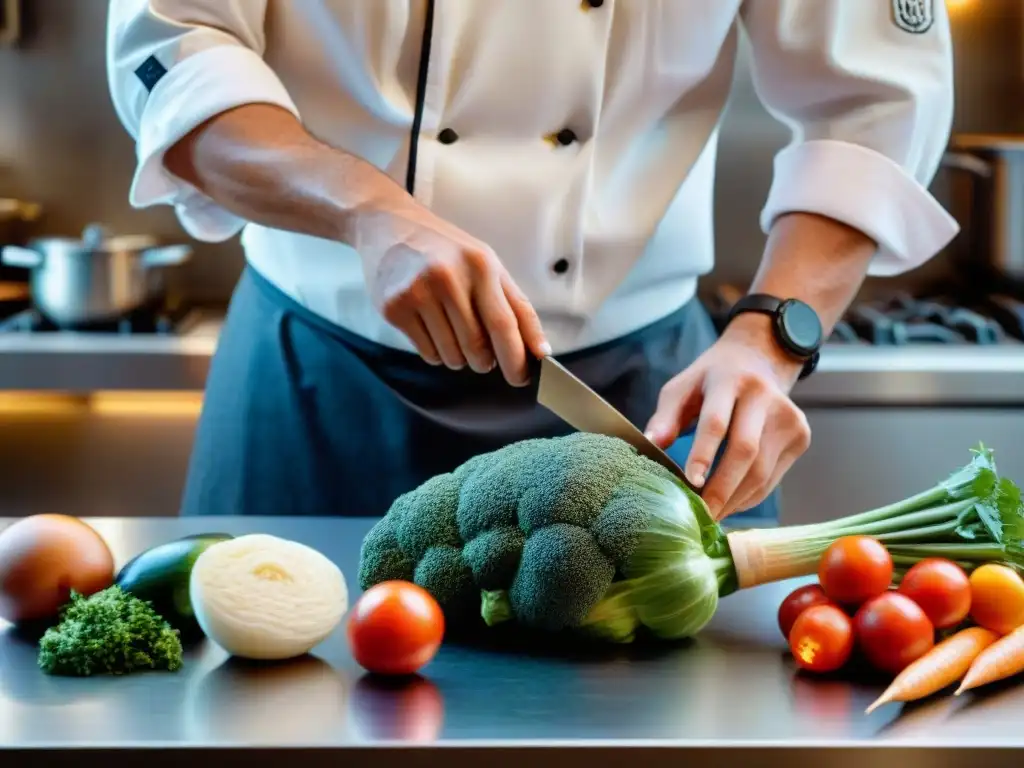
(582, 408)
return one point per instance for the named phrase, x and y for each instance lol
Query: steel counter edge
(848, 375)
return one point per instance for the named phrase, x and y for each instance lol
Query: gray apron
(302, 417)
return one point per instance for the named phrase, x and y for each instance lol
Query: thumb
(678, 406)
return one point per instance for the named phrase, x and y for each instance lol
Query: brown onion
(43, 558)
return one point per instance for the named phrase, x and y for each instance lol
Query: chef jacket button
(565, 137)
(560, 267)
(447, 136)
(595, 3)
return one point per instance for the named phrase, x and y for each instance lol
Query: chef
(433, 194)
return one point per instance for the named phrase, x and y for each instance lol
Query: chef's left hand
(738, 391)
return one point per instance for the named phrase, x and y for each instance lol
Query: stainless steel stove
(147, 321)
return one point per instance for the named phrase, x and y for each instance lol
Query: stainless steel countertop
(730, 695)
(847, 374)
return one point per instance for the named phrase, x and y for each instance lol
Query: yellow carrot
(943, 665)
(1002, 659)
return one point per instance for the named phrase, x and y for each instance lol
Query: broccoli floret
(538, 529)
(110, 632)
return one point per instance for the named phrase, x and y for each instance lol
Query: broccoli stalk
(110, 632)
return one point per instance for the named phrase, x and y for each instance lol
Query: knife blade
(582, 408)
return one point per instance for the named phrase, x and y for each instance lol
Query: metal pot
(988, 200)
(95, 279)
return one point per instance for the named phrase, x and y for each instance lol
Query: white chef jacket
(576, 137)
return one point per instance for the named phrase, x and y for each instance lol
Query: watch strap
(767, 304)
(764, 303)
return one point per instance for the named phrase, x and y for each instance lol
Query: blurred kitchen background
(100, 422)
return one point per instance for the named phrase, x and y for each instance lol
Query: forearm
(817, 260)
(812, 258)
(260, 163)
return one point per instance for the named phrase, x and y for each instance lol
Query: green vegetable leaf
(976, 478)
(1011, 515)
(985, 482)
(712, 535)
(972, 531)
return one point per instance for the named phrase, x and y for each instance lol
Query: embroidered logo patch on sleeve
(149, 72)
(914, 16)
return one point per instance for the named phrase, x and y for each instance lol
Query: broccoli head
(536, 532)
(111, 632)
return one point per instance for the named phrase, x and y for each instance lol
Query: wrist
(365, 200)
(756, 332)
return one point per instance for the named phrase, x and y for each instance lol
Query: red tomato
(798, 601)
(855, 569)
(395, 628)
(941, 588)
(892, 631)
(821, 639)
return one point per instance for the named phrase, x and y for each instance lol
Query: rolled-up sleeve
(867, 90)
(171, 66)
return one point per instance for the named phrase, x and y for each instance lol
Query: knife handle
(533, 369)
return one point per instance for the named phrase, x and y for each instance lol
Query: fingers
(502, 327)
(460, 308)
(435, 319)
(787, 438)
(472, 339)
(797, 434)
(529, 324)
(678, 405)
(743, 460)
(712, 426)
(749, 495)
(413, 327)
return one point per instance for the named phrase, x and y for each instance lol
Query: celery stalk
(973, 517)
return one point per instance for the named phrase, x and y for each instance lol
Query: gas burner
(906, 319)
(152, 321)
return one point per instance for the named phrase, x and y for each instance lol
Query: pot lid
(97, 239)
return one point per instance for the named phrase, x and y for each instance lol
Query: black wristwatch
(797, 327)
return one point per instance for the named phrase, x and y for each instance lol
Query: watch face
(800, 327)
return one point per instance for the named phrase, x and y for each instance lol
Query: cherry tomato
(798, 601)
(855, 569)
(821, 639)
(395, 628)
(892, 631)
(941, 588)
(997, 598)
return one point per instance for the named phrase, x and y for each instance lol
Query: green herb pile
(110, 632)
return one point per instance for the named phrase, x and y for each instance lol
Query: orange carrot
(1002, 659)
(943, 665)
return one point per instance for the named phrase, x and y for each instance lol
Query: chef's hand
(738, 391)
(447, 291)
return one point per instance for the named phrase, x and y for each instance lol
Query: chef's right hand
(447, 292)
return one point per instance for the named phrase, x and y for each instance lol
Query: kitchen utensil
(94, 279)
(582, 408)
(987, 198)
